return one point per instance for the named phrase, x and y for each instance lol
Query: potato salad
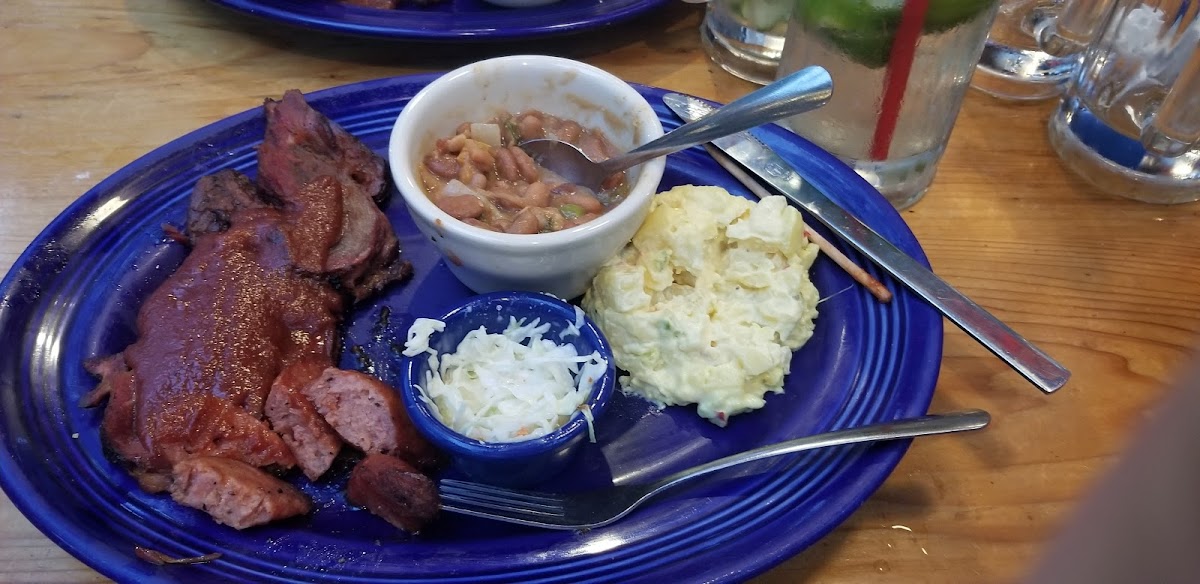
(707, 302)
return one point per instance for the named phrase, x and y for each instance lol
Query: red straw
(895, 78)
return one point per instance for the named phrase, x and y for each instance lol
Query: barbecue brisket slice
(301, 148)
(217, 198)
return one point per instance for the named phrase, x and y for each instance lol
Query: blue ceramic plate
(75, 293)
(446, 20)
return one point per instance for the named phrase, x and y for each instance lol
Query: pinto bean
(609, 148)
(593, 146)
(507, 190)
(506, 165)
(466, 171)
(569, 131)
(529, 169)
(491, 213)
(431, 182)
(613, 181)
(496, 184)
(537, 194)
(588, 203)
(461, 206)
(531, 127)
(525, 222)
(469, 175)
(549, 218)
(521, 196)
(504, 195)
(479, 155)
(442, 165)
(455, 144)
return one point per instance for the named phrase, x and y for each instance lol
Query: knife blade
(1031, 362)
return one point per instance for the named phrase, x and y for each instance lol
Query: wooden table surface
(1106, 286)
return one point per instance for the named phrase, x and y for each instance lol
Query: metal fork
(602, 507)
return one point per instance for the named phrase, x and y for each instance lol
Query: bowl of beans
(501, 221)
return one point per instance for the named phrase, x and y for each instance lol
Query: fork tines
(500, 499)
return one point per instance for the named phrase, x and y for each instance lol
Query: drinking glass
(900, 70)
(1130, 121)
(1035, 45)
(745, 37)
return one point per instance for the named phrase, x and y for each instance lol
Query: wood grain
(1105, 285)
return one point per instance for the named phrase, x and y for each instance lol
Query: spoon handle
(907, 428)
(804, 90)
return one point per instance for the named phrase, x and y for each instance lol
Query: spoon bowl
(802, 91)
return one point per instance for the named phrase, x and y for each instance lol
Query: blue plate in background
(446, 20)
(75, 292)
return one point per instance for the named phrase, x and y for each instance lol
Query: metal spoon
(804, 90)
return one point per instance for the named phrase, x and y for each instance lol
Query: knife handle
(1031, 362)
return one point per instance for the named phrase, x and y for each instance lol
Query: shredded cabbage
(572, 328)
(506, 387)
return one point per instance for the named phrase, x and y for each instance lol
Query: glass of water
(745, 37)
(1130, 121)
(900, 70)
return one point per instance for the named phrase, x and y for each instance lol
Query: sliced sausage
(369, 415)
(393, 490)
(235, 493)
(297, 421)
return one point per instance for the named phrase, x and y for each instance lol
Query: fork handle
(909, 428)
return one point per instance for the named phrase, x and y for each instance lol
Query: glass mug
(1034, 46)
(900, 71)
(745, 37)
(1130, 121)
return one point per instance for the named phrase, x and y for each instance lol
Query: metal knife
(1030, 361)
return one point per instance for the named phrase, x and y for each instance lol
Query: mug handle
(1069, 32)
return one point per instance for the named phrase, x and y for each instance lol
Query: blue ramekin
(511, 464)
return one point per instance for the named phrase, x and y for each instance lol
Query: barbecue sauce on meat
(255, 304)
(214, 337)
